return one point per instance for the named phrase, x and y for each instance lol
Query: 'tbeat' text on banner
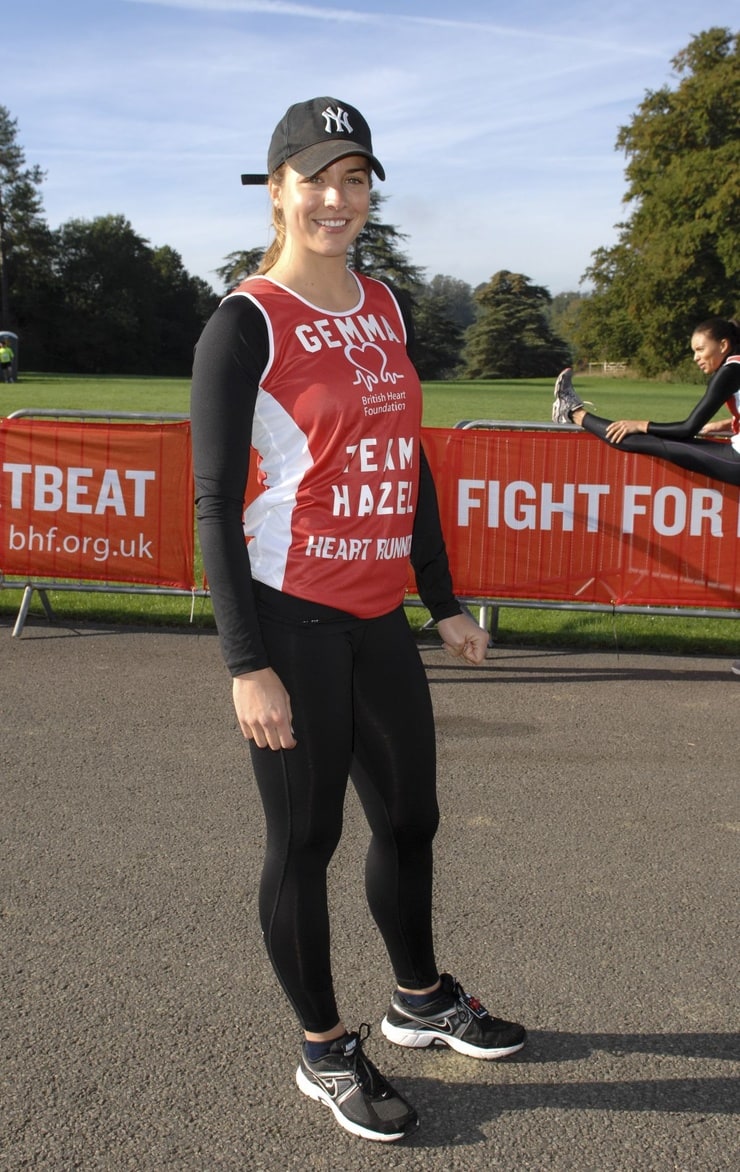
(100, 502)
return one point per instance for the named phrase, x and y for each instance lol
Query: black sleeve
(722, 385)
(230, 357)
(428, 552)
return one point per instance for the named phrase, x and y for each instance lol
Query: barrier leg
(488, 621)
(46, 605)
(20, 621)
(23, 612)
(493, 628)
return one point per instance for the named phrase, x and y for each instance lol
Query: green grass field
(445, 405)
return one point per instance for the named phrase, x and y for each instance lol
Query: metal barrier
(489, 607)
(511, 425)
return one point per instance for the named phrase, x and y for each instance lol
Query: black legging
(361, 707)
(717, 460)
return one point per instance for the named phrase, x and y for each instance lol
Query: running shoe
(363, 1102)
(566, 399)
(452, 1019)
(735, 667)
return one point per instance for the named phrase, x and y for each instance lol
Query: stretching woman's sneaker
(566, 399)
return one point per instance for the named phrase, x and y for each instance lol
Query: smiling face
(324, 213)
(709, 354)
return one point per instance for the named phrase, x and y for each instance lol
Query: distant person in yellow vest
(6, 361)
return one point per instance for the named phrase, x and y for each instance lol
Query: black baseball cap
(313, 134)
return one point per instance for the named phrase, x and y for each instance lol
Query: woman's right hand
(620, 428)
(263, 709)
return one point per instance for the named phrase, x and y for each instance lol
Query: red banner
(562, 516)
(101, 502)
(551, 516)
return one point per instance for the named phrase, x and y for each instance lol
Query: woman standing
(716, 347)
(308, 362)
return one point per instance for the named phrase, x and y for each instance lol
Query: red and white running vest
(336, 432)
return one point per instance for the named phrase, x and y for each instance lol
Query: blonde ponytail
(274, 249)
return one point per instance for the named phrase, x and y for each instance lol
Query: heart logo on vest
(370, 362)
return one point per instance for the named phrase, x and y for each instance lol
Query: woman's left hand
(463, 638)
(717, 427)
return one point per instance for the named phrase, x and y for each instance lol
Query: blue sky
(496, 123)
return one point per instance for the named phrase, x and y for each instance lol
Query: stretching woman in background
(716, 347)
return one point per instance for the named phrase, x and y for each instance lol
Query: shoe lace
(477, 1007)
(367, 1076)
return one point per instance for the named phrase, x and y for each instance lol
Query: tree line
(94, 297)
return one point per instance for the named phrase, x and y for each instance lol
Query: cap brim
(254, 180)
(315, 158)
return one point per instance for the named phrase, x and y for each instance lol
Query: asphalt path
(586, 885)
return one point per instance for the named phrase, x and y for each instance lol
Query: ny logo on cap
(340, 119)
